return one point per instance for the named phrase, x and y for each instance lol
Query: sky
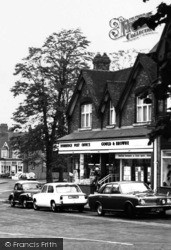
(27, 23)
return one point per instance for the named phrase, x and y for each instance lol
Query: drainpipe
(155, 164)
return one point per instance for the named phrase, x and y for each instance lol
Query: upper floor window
(143, 111)
(4, 153)
(112, 114)
(86, 115)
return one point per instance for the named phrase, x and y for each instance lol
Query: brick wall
(74, 121)
(129, 111)
(128, 117)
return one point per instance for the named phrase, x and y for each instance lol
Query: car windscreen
(67, 189)
(29, 186)
(127, 188)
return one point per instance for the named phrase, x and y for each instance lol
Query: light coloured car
(60, 195)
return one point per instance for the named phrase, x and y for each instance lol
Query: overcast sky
(27, 23)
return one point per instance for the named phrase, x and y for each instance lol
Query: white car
(60, 195)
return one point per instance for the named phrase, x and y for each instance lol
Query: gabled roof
(3, 139)
(114, 88)
(149, 66)
(97, 81)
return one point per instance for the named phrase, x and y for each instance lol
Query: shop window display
(137, 170)
(166, 168)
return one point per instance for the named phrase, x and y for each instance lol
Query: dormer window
(112, 114)
(86, 115)
(143, 111)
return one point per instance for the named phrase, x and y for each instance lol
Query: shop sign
(101, 146)
(133, 156)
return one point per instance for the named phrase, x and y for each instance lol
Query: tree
(123, 59)
(46, 79)
(161, 87)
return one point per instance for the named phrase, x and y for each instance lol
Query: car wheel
(35, 205)
(53, 206)
(24, 203)
(162, 214)
(80, 209)
(129, 211)
(12, 202)
(100, 210)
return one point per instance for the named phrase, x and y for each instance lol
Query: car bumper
(152, 208)
(64, 205)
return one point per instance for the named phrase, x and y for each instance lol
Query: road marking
(14, 234)
(71, 238)
(99, 241)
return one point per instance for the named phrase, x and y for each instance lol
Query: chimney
(101, 62)
(3, 128)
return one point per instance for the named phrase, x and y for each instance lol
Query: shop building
(109, 123)
(10, 163)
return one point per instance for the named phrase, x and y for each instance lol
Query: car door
(18, 190)
(116, 197)
(41, 197)
(49, 195)
(105, 197)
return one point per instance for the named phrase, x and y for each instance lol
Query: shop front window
(136, 170)
(168, 104)
(166, 168)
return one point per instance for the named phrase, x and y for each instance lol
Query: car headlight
(169, 201)
(142, 202)
(163, 201)
(29, 195)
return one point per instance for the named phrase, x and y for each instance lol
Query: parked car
(129, 197)
(60, 195)
(23, 193)
(5, 175)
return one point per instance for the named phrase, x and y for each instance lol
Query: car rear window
(67, 189)
(28, 186)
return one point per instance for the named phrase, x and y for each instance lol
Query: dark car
(23, 193)
(5, 175)
(129, 197)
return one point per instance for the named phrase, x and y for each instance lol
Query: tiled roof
(97, 79)
(96, 82)
(106, 134)
(150, 66)
(3, 139)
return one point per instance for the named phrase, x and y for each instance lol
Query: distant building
(9, 160)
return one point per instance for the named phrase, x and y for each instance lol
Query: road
(85, 230)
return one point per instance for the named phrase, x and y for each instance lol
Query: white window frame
(86, 115)
(143, 110)
(112, 114)
(4, 153)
